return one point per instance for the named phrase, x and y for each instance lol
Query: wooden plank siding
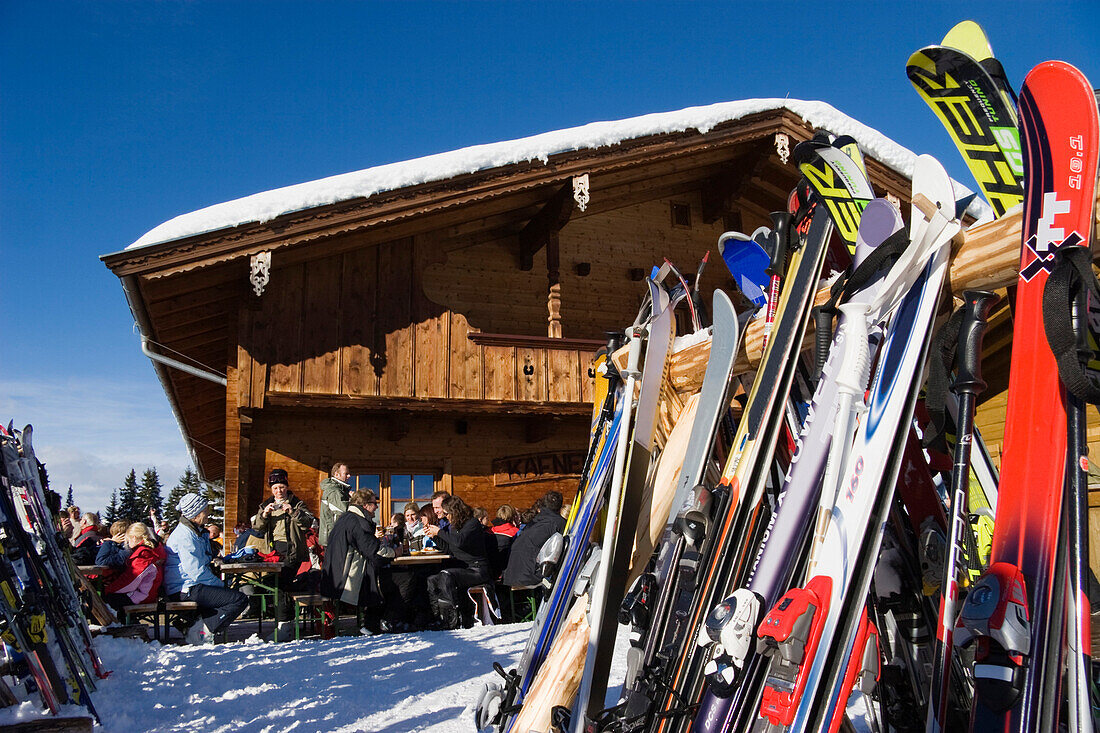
(321, 326)
(359, 324)
(358, 309)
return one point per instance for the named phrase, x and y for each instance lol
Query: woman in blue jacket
(187, 573)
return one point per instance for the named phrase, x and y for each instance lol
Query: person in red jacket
(86, 542)
(142, 575)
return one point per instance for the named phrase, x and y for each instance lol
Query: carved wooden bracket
(259, 272)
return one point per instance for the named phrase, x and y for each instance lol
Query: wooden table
(424, 559)
(92, 571)
(92, 581)
(234, 575)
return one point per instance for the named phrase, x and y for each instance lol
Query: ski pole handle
(778, 242)
(823, 336)
(976, 307)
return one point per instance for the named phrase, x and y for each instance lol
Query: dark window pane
(400, 486)
(424, 485)
(370, 481)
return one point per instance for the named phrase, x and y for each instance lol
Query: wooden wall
(359, 325)
(483, 282)
(306, 446)
(392, 321)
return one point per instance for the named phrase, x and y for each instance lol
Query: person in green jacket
(334, 500)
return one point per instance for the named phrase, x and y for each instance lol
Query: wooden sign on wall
(525, 469)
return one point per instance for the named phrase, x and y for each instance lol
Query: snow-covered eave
(268, 205)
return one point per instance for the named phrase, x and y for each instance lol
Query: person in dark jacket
(283, 519)
(86, 543)
(114, 550)
(522, 570)
(354, 557)
(466, 540)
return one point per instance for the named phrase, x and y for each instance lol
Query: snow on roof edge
(268, 205)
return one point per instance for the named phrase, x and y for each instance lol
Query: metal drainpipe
(141, 318)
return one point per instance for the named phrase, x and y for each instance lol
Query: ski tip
(961, 205)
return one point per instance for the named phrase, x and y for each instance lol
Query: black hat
(277, 476)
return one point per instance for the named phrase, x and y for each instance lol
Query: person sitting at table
(394, 535)
(502, 534)
(142, 569)
(522, 569)
(437, 507)
(283, 520)
(507, 521)
(86, 543)
(215, 531)
(242, 531)
(414, 528)
(113, 549)
(428, 519)
(354, 557)
(188, 577)
(465, 540)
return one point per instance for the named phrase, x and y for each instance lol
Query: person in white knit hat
(188, 577)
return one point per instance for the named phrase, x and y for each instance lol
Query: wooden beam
(720, 192)
(534, 342)
(289, 400)
(989, 258)
(545, 225)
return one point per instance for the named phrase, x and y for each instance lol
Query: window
(405, 487)
(394, 490)
(681, 215)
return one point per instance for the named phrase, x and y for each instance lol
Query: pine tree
(110, 514)
(69, 497)
(214, 492)
(129, 504)
(188, 483)
(149, 495)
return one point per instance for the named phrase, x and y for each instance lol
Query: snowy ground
(389, 684)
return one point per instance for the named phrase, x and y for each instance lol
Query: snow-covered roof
(268, 205)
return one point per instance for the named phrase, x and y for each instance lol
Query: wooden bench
(141, 612)
(523, 601)
(179, 615)
(309, 608)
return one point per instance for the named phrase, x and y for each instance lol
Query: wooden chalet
(439, 333)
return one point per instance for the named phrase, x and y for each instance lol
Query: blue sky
(116, 116)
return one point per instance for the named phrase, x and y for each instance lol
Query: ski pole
(967, 386)
(777, 243)
(852, 376)
(1078, 641)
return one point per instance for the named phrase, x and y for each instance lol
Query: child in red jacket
(141, 576)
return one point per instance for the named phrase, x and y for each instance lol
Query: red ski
(1008, 614)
